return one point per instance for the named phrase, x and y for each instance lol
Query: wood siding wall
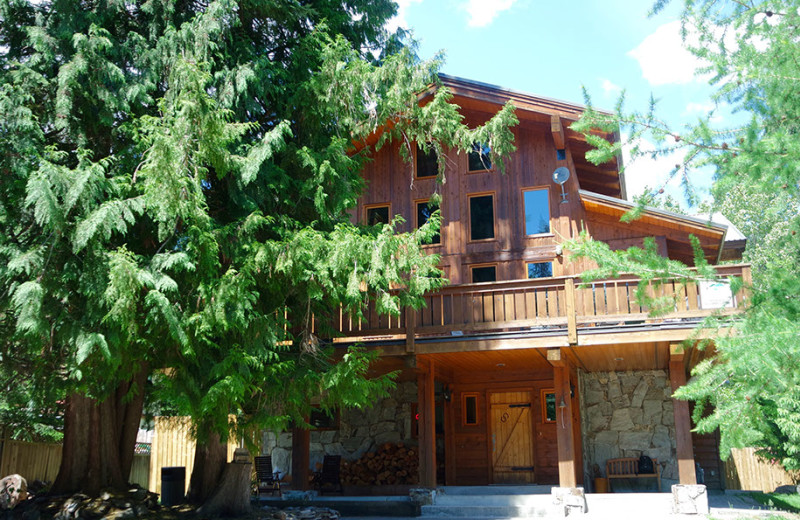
(390, 180)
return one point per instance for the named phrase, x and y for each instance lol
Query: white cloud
(399, 20)
(609, 87)
(664, 58)
(482, 12)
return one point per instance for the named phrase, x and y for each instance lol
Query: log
(232, 496)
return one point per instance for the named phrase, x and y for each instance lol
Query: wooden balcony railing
(561, 301)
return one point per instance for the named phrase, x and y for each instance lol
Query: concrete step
(462, 512)
(495, 490)
(492, 500)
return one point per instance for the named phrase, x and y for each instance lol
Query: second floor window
(427, 164)
(424, 211)
(481, 217)
(377, 214)
(536, 202)
(479, 158)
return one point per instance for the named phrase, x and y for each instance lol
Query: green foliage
(779, 501)
(175, 197)
(751, 51)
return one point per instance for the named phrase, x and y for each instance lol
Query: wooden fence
(173, 445)
(744, 470)
(32, 460)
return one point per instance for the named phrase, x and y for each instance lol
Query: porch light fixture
(446, 394)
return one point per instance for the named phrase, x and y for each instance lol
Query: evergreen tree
(176, 181)
(752, 52)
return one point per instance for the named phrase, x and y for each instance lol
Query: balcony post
(411, 329)
(301, 457)
(572, 325)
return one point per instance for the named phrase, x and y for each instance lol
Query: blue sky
(554, 49)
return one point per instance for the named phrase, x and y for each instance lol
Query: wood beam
(557, 130)
(301, 458)
(683, 425)
(427, 425)
(565, 417)
(567, 476)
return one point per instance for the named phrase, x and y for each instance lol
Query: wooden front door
(512, 439)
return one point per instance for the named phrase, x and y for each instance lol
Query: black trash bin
(173, 484)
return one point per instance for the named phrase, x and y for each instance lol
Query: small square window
(484, 273)
(378, 214)
(424, 211)
(537, 211)
(427, 163)
(479, 158)
(540, 270)
(481, 217)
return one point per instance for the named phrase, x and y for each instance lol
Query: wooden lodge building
(516, 372)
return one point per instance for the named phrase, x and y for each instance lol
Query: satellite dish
(560, 176)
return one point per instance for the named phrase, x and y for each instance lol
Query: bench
(628, 467)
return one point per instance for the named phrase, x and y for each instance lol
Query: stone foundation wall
(627, 414)
(360, 431)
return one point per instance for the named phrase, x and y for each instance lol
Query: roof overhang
(711, 234)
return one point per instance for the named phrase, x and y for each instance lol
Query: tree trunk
(99, 439)
(232, 496)
(209, 462)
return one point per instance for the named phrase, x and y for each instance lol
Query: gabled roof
(550, 114)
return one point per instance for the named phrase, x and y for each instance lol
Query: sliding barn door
(512, 438)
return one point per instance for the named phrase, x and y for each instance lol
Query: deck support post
(426, 409)
(683, 425)
(567, 457)
(301, 458)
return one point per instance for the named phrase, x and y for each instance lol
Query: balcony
(541, 305)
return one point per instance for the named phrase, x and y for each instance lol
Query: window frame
(527, 272)
(367, 207)
(489, 150)
(471, 196)
(417, 150)
(479, 266)
(417, 202)
(543, 399)
(549, 232)
(464, 396)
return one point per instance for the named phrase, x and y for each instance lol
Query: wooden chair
(329, 476)
(268, 480)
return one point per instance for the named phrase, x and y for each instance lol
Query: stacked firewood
(391, 464)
